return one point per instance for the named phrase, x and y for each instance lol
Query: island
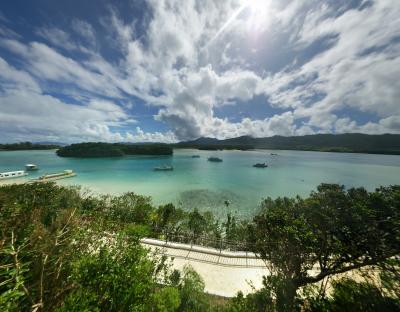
(22, 146)
(99, 149)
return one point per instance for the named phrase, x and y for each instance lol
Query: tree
(333, 231)
(38, 223)
(116, 276)
(167, 299)
(191, 289)
(130, 208)
(197, 223)
(351, 296)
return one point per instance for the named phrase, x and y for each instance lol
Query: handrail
(220, 254)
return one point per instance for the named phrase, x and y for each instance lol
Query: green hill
(349, 143)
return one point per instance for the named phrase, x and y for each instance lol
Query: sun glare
(258, 14)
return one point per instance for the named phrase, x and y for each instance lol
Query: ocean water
(198, 183)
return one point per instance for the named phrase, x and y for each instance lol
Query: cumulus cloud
(358, 71)
(195, 56)
(26, 112)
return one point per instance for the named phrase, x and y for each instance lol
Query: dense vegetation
(62, 249)
(349, 143)
(99, 149)
(26, 146)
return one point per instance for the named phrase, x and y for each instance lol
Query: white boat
(31, 167)
(12, 174)
(164, 168)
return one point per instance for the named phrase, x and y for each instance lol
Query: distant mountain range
(346, 143)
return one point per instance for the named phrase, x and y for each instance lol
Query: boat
(260, 165)
(164, 168)
(55, 176)
(195, 156)
(214, 159)
(273, 154)
(12, 174)
(31, 167)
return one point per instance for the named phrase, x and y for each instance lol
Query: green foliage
(38, 223)
(191, 290)
(118, 277)
(166, 299)
(61, 248)
(26, 146)
(99, 149)
(130, 208)
(197, 223)
(390, 276)
(13, 279)
(332, 231)
(350, 296)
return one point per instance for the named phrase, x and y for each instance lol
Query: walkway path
(224, 273)
(227, 272)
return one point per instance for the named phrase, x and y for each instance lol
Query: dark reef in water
(219, 202)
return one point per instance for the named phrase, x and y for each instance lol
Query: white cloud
(189, 61)
(12, 78)
(159, 137)
(360, 70)
(26, 113)
(85, 30)
(385, 125)
(57, 37)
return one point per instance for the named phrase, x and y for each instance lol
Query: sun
(258, 17)
(257, 12)
(257, 5)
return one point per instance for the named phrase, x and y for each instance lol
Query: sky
(173, 70)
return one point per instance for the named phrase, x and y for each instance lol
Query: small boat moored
(260, 165)
(12, 174)
(31, 167)
(214, 159)
(164, 168)
(195, 156)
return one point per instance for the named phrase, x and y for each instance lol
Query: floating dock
(54, 176)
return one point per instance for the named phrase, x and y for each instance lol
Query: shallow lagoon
(196, 182)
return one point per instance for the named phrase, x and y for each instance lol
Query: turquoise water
(196, 182)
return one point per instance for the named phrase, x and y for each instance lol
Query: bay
(198, 183)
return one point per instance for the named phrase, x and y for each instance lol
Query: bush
(351, 296)
(118, 277)
(166, 300)
(192, 292)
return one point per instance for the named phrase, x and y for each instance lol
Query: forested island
(98, 149)
(27, 146)
(343, 143)
(66, 250)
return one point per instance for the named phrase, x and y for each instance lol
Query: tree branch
(313, 279)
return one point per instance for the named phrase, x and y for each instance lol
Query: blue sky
(171, 70)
